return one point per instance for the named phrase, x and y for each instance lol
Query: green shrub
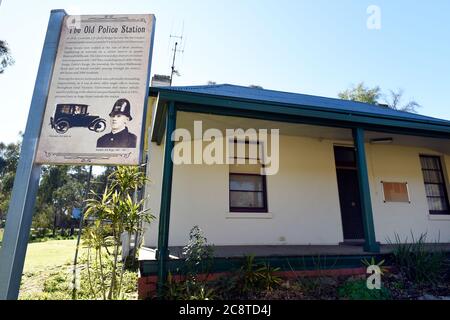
(174, 290)
(198, 253)
(57, 282)
(267, 278)
(417, 261)
(248, 275)
(357, 290)
(256, 276)
(199, 257)
(187, 289)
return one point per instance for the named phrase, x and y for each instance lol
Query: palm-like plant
(118, 208)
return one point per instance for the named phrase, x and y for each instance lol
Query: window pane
(345, 156)
(245, 150)
(435, 190)
(245, 168)
(246, 199)
(246, 183)
(66, 109)
(432, 176)
(437, 204)
(430, 163)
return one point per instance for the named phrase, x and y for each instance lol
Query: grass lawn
(52, 262)
(44, 259)
(49, 254)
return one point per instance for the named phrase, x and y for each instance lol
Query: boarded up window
(396, 192)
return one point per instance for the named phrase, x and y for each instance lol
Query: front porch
(289, 258)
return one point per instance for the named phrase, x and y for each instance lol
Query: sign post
(26, 182)
(89, 107)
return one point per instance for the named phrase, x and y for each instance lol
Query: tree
(9, 158)
(65, 198)
(361, 93)
(52, 179)
(374, 95)
(43, 220)
(6, 58)
(394, 102)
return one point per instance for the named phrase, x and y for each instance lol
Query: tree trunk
(54, 223)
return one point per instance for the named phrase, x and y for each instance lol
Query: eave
(302, 114)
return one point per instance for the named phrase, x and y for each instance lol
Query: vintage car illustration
(75, 115)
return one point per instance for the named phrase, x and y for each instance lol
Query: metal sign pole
(80, 229)
(26, 182)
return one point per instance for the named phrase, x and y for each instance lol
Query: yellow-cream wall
(392, 163)
(303, 198)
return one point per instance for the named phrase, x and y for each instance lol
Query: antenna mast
(175, 51)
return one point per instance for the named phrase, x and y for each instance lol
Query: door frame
(354, 168)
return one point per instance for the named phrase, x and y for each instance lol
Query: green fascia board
(194, 102)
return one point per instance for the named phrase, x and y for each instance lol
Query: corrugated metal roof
(257, 94)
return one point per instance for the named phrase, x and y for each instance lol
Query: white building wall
(392, 163)
(303, 198)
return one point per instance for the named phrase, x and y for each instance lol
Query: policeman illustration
(119, 137)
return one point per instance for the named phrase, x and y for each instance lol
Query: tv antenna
(179, 41)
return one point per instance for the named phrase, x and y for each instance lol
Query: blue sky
(316, 47)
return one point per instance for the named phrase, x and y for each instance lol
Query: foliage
(187, 289)
(60, 189)
(198, 253)
(252, 276)
(268, 279)
(357, 290)
(203, 293)
(38, 237)
(256, 276)
(6, 58)
(361, 93)
(394, 99)
(416, 261)
(174, 290)
(9, 158)
(374, 95)
(373, 262)
(42, 221)
(58, 286)
(198, 259)
(115, 213)
(249, 275)
(56, 283)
